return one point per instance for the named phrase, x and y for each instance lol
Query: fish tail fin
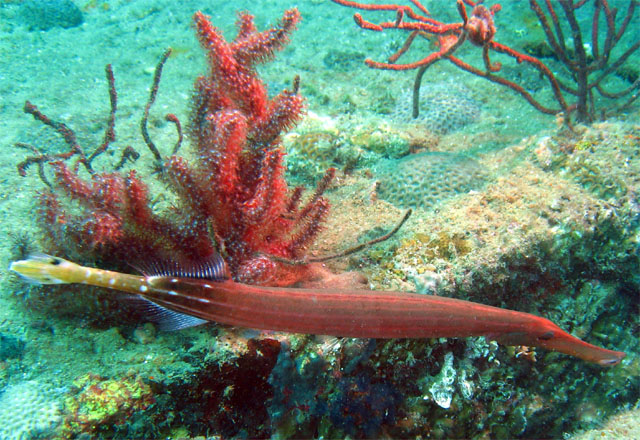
(46, 269)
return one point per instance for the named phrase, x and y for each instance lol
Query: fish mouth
(613, 361)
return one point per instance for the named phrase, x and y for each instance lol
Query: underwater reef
(545, 222)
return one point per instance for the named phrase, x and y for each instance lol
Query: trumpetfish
(207, 293)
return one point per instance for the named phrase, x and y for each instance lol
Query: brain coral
(27, 411)
(444, 107)
(422, 180)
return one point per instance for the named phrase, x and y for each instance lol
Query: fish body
(338, 312)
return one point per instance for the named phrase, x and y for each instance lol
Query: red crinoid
(233, 198)
(237, 186)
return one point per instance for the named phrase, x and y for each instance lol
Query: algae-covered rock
(10, 347)
(46, 14)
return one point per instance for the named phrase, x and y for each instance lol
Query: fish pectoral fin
(164, 318)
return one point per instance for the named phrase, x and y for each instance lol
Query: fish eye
(546, 336)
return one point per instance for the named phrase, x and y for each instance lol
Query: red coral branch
(479, 28)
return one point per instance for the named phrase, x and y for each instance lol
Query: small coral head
(480, 27)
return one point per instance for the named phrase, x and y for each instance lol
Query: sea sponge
(425, 179)
(27, 411)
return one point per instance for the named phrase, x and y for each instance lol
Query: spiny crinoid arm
(232, 64)
(284, 112)
(302, 224)
(113, 219)
(252, 47)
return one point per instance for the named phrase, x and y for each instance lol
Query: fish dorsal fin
(165, 319)
(213, 268)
